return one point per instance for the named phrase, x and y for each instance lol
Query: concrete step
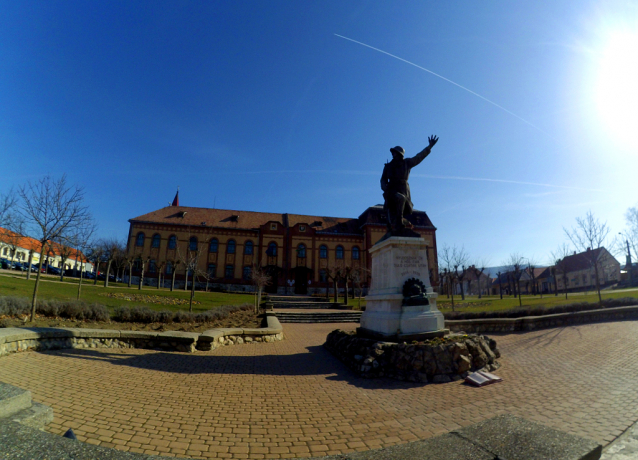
(307, 305)
(295, 298)
(36, 416)
(13, 400)
(346, 317)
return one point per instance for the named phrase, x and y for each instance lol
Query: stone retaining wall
(426, 362)
(530, 323)
(14, 339)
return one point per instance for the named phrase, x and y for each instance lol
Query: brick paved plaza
(293, 399)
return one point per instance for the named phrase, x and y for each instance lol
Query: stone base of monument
(401, 304)
(418, 336)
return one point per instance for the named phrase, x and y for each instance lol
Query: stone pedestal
(395, 261)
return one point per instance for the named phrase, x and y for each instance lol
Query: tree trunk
(520, 300)
(600, 298)
(478, 283)
(186, 280)
(139, 287)
(345, 292)
(335, 286)
(190, 306)
(108, 272)
(35, 288)
(259, 299)
(159, 278)
(61, 270)
(80, 283)
(130, 273)
(30, 263)
(173, 280)
(462, 291)
(452, 294)
(96, 270)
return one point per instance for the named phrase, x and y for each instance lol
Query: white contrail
(506, 181)
(446, 79)
(428, 176)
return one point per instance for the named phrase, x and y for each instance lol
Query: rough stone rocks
(435, 361)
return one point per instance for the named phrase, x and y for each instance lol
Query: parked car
(4, 263)
(34, 268)
(20, 266)
(53, 270)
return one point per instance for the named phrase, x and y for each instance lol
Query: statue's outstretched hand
(433, 140)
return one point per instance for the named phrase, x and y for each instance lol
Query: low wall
(530, 323)
(15, 339)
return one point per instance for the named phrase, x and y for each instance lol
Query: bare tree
(477, 270)
(588, 236)
(111, 247)
(190, 258)
(515, 266)
(51, 208)
(81, 239)
(447, 258)
(95, 254)
(8, 209)
(561, 267)
(334, 273)
(143, 262)
(359, 277)
(174, 265)
(260, 279)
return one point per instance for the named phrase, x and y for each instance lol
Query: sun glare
(617, 86)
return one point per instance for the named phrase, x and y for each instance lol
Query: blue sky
(259, 106)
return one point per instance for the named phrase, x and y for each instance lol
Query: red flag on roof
(176, 199)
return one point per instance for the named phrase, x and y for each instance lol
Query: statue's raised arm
(396, 191)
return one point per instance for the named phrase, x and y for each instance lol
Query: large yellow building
(296, 250)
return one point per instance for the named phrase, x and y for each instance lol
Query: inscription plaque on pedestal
(388, 315)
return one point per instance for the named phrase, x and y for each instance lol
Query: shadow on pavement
(318, 361)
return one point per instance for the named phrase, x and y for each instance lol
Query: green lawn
(494, 303)
(51, 288)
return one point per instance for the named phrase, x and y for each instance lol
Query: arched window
(169, 268)
(323, 276)
(213, 246)
(355, 253)
(272, 249)
(230, 248)
(301, 251)
(247, 272)
(339, 252)
(212, 268)
(228, 273)
(192, 244)
(248, 248)
(139, 241)
(155, 242)
(172, 242)
(152, 266)
(323, 251)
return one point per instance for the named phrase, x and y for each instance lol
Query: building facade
(19, 248)
(297, 251)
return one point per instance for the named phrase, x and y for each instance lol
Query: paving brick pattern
(293, 399)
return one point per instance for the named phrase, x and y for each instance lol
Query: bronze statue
(396, 190)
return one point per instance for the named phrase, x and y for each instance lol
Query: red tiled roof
(26, 242)
(227, 218)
